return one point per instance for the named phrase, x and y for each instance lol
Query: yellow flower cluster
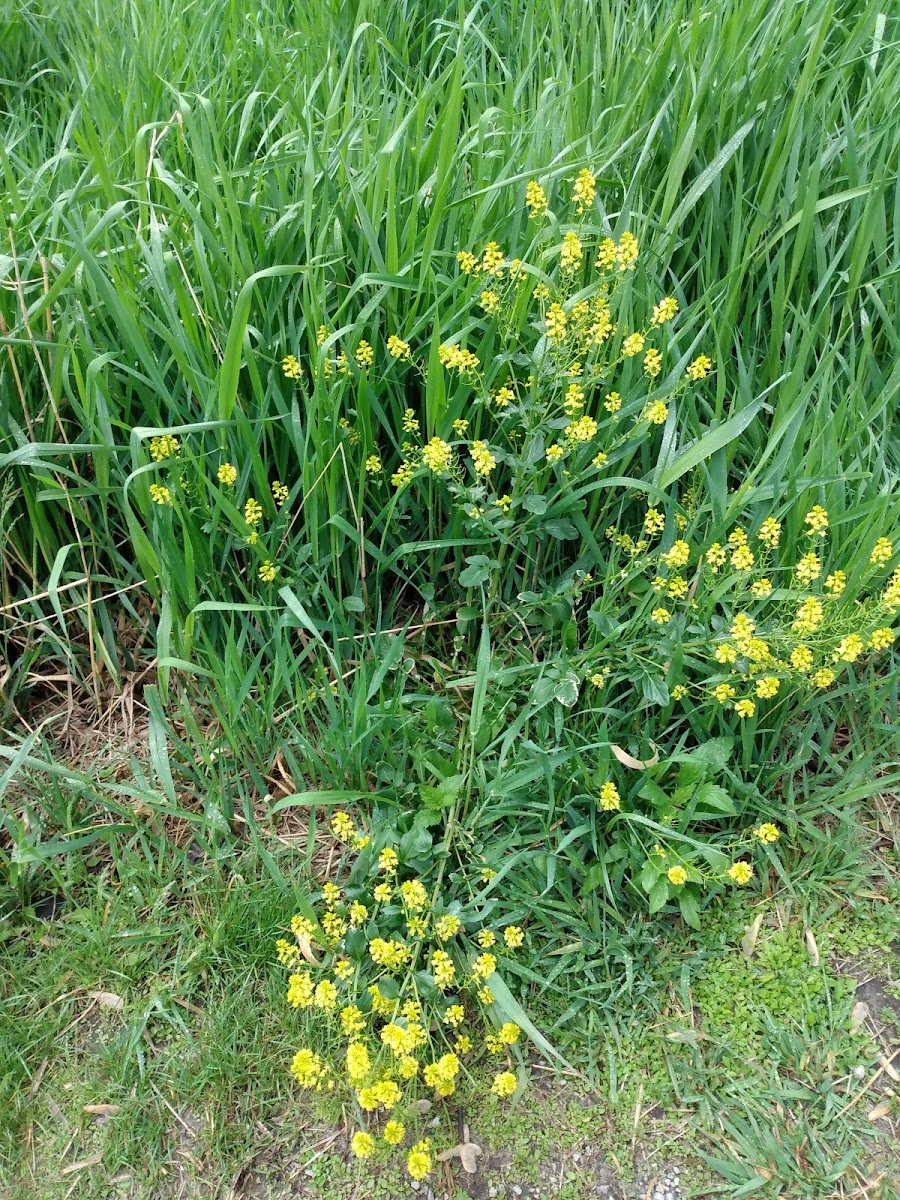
(393, 1043)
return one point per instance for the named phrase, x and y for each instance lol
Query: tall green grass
(191, 190)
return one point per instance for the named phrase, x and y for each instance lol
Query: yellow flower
(716, 557)
(382, 893)
(882, 638)
(454, 1015)
(816, 521)
(808, 568)
(504, 1084)
(823, 678)
(226, 474)
(541, 291)
(325, 994)
(584, 190)
(514, 936)
(438, 456)
(358, 913)
(891, 595)
(394, 1133)
(633, 345)
(168, 446)
(881, 552)
(484, 966)
(745, 708)
(373, 465)
(767, 833)
(486, 996)
(725, 653)
(599, 460)
(723, 692)
(364, 354)
(556, 323)
(418, 1161)
(321, 335)
(742, 558)
(455, 358)
(388, 860)
(390, 954)
(627, 251)
(468, 263)
(290, 367)
(652, 362)
(664, 311)
(352, 1020)
(253, 512)
(490, 301)
(767, 687)
(307, 1068)
(441, 1075)
(486, 938)
(679, 691)
(699, 368)
(267, 571)
(761, 588)
(770, 532)
(536, 199)
(409, 1067)
(655, 413)
(504, 503)
(610, 800)
(801, 658)
(849, 648)
(740, 872)
(279, 492)
(571, 253)
(396, 347)
(654, 521)
(442, 969)
(413, 894)
(358, 1062)
(581, 430)
(810, 615)
(160, 494)
(492, 259)
(677, 875)
(660, 616)
(341, 826)
(362, 1144)
(483, 462)
(447, 927)
(742, 627)
(574, 399)
(463, 1044)
(836, 583)
(300, 991)
(678, 556)
(509, 1033)
(555, 452)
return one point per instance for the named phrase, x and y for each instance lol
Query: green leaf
(690, 910)
(711, 441)
(659, 894)
(560, 528)
(712, 798)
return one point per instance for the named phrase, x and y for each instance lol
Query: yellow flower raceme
(227, 474)
(160, 494)
(418, 1161)
(699, 368)
(396, 347)
(438, 456)
(536, 199)
(664, 311)
(584, 190)
(740, 872)
(571, 253)
(610, 800)
(882, 552)
(168, 446)
(677, 875)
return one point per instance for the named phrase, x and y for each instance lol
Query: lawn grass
(190, 193)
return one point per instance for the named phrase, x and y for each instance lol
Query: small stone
(492, 1191)
(416, 1185)
(576, 1157)
(517, 1191)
